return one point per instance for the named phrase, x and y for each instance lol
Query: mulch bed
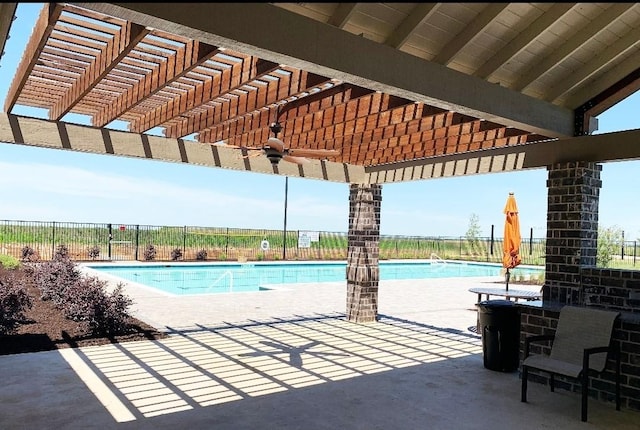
(45, 328)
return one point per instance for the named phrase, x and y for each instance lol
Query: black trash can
(499, 324)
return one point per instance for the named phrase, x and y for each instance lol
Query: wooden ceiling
(559, 63)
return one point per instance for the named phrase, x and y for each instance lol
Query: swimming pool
(181, 279)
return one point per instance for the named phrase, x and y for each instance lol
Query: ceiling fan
(275, 151)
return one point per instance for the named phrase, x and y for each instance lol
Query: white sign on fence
(306, 237)
(314, 236)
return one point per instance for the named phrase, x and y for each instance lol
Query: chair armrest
(536, 338)
(595, 350)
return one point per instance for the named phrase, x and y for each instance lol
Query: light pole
(284, 231)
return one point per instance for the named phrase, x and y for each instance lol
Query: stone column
(363, 248)
(572, 228)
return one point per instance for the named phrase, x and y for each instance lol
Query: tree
(473, 234)
(609, 243)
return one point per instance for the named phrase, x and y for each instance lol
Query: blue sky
(39, 184)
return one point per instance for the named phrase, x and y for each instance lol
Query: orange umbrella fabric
(511, 253)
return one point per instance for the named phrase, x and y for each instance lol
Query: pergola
(403, 91)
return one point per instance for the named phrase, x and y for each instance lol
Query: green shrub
(150, 252)
(93, 252)
(176, 254)
(14, 300)
(9, 262)
(28, 254)
(89, 302)
(61, 253)
(53, 278)
(82, 298)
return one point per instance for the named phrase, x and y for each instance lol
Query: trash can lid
(496, 303)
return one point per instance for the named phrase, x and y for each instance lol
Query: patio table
(502, 292)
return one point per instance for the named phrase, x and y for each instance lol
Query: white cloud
(45, 192)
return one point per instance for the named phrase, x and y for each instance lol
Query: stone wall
(572, 227)
(363, 273)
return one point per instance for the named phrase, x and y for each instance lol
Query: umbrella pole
(507, 276)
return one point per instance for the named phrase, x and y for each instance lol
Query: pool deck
(287, 359)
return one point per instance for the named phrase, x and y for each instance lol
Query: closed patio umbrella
(512, 239)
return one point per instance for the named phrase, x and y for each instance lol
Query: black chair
(581, 344)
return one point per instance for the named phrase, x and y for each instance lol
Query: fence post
(492, 239)
(110, 227)
(531, 241)
(53, 239)
(226, 246)
(184, 241)
(135, 253)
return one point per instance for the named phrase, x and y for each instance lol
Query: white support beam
(328, 51)
(416, 16)
(597, 148)
(629, 42)
(342, 14)
(470, 33)
(587, 92)
(560, 53)
(72, 137)
(524, 39)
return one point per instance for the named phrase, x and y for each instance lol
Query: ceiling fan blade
(313, 153)
(275, 143)
(244, 148)
(297, 160)
(255, 154)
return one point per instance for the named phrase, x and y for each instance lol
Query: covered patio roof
(403, 91)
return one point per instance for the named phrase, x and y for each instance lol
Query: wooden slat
(340, 108)
(115, 50)
(292, 86)
(230, 79)
(41, 31)
(150, 85)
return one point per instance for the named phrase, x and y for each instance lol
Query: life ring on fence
(264, 245)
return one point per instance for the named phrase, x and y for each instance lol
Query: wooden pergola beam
(105, 61)
(41, 31)
(239, 74)
(197, 54)
(604, 147)
(59, 135)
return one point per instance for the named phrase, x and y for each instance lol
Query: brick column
(572, 228)
(363, 251)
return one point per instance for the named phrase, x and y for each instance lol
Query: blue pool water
(241, 277)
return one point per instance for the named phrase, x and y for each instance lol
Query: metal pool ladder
(228, 273)
(437, 260)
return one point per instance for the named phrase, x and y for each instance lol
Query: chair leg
(525, 374)
(585, 394)
(618, 380)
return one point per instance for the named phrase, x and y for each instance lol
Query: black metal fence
(122, 242)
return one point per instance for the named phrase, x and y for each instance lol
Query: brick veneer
(363, 273)
(571, 278)
(572, 227)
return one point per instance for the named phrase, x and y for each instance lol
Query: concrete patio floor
(287, 359)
